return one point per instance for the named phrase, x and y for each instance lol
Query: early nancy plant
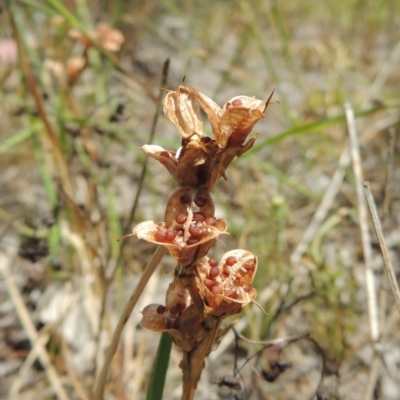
(204, 291)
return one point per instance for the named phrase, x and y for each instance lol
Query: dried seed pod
(185, 253)
(234, 276)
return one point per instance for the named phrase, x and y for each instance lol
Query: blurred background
(80, 89)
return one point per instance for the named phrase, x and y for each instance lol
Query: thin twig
(363, 221)
(30, 330)
(385, 254)
(147, 273)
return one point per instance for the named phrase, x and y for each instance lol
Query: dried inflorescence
(204, 291)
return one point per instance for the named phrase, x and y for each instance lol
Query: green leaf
(157, 379)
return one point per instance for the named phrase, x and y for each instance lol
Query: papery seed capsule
(209, 283)
(184, 199)
(199, 216)
(180, 218)
(160, 235)
(195, 230)
(192, 240)
(200, 201)
(161, 309)
(231, 261)
(212, 262)
(170, 235)
(216, 290)
(214, 272)
(210, 221)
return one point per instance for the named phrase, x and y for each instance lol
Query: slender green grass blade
(19, 137)
(157, 379)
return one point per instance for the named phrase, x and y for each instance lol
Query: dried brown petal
(183, 112)
(167, 159)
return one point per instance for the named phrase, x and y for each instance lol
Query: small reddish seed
(237, 102)
(160, 236)
(212, 262)
(199, 216)
(179, 232)
(184, 199)
(181, 218)
(170, 235)
(200, 201)
(195, 230)
(210, 221)
(214, 272)
(231, 261)
(231, 293)
(247, 288)
(249, 265)
(161, 309)
(216, 290)
(164, 154)
(209, 283)
(192, 240)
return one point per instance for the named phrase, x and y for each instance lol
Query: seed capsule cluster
(202, 286)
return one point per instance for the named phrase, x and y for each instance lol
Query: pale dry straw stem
(385, 254)
(323, 208)
(147, 273)
(363, 222)
(18, 381)
(29, 327)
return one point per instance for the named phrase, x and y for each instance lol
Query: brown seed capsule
(200, 201)
(192, 240)
(216, 290)
(214, 272)
(170, 235)
(198, 216)
(160, 309)
(212, 262)
(184, 199)
(231, 261)
(160, 235)
(180, 218)
(210, 221)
